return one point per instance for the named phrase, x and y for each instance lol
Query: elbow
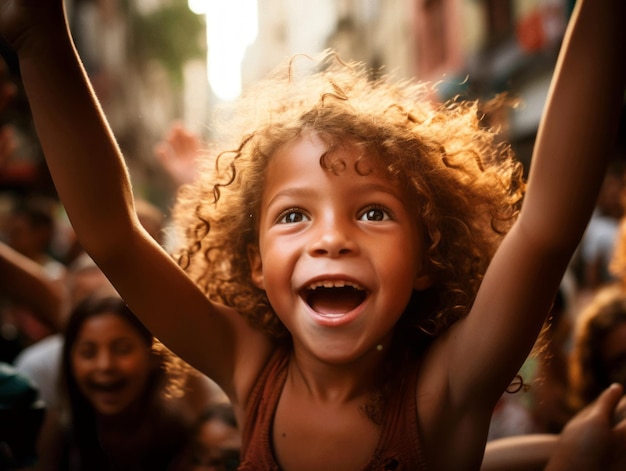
(110, 244)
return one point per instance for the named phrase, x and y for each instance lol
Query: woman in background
(117, 378)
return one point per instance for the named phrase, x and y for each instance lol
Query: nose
(104, 360)
(333, 237)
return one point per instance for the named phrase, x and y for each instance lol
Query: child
(598, 356)
(343, 296)
(115, 378)
(216, 441)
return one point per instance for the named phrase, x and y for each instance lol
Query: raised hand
(593, 439)
(178, 153)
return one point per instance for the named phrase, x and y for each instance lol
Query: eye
(122, 348)
(374, 213)
(86, 351)
(292, 216)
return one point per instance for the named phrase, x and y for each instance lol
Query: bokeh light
(232, 26)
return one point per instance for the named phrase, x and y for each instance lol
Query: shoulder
(45, 349)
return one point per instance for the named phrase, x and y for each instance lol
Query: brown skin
(594, 440)
(25, 282)
(456, 391)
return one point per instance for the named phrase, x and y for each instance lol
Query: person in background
(118, 382)
(216, 440)
(598, 356)
(41, 361)
(21, 417)
(179, 153)
(548, 380)
(592, 440)
(598, 244)
(29, 231)
(23, 281)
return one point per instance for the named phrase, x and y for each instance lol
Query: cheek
(399, 264)
(79, 366)
(137, 367)
(81, 370)
(279, 260)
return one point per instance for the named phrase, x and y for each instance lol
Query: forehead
(313, 156)
(104, 326)
(215, 433)
(315, 168)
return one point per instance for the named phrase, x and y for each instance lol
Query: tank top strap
(256, 452)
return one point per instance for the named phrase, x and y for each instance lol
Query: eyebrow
(293, 192)
(309, 192)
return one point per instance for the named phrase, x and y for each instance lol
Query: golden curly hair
(465, 183)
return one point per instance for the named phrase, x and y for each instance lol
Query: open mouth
(334, 297)
(108, 387)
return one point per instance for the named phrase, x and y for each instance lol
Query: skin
(592, 440)
(465, 370)
(25, 281)
(213, 440)
(111, 364)
(320, 228)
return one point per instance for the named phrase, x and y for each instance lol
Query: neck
(128, 419)
(329, 382)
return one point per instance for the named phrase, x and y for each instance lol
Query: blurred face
(27, 239)
(216, 447)
(111, 363)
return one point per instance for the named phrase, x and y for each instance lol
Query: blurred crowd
(83, 384)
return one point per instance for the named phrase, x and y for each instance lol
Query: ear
(256, 266)
(422, 282)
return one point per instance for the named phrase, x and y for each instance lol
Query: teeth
(334, 284)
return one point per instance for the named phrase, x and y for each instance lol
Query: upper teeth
(334, 284)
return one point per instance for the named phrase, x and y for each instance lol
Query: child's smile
(334, 302)
(111, 363)
(334, 297)
(328, 249)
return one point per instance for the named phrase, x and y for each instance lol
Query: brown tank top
(399, 446)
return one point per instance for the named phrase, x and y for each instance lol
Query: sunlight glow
(232, 26)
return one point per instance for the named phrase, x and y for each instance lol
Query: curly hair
(588, 372)
(165, 380)
(466, 184)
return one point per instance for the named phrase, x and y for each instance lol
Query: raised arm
(574, 141)
(93, 182)
(24, 281)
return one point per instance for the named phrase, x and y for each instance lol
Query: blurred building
(147, 58)
(471, 48)
(137, 54)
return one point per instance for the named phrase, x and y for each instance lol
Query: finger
(606, 403)
(162, 151)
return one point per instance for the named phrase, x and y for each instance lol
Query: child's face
(339, 254)
(216, 447)
(111, 363)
